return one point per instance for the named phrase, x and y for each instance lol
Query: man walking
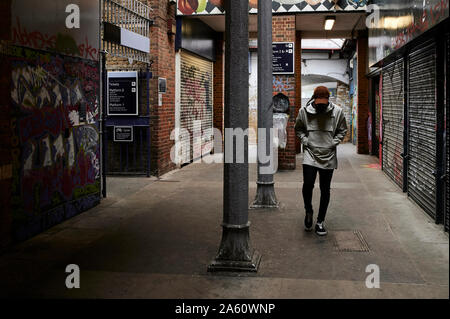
(321, 126)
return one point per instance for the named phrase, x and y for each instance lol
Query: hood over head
(312, 110)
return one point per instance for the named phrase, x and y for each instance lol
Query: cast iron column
(235, 252)
(265, 194)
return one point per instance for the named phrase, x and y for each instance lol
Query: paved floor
(153, 238)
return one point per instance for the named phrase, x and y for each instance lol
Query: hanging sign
(283, 60)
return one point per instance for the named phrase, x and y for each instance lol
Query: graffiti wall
(55, 142)
(253, 98)
(196, 103)
(397, 22)
(192, 7)
(354, 98)
(354, 102)
(53, 26)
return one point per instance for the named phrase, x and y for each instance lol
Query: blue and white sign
(283, 57)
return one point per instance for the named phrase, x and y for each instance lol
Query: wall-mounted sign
(283, 58)
(122, 93)
(123, 134)
(162, 85)
(127, 38)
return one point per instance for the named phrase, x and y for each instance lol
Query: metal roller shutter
(196, 102)
(392, 121)
(447, 114)
(422, 127)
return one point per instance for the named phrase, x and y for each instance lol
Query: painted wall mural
(192, 7)
(55, 111)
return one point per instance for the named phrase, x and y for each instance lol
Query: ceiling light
(329, 22)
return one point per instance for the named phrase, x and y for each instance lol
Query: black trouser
(309, 178)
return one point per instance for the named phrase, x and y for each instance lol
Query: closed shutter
(447, 115)
(196, 104)
(392, 121)
(422, 127)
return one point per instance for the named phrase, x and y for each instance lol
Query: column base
(265, 196)
(235, 253)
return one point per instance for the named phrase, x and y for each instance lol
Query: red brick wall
(362, 144)
(343, 100)
(284, 31)
(162, 118)
(219, 85)
(5, 127)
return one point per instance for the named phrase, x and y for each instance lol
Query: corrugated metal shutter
(422, 127)
(392, 121)
(196, 101)
(377, 114)
(447, 202)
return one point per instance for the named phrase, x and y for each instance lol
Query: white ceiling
(311, 24)
(322, 44)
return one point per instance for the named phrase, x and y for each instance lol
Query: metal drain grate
(350, 241)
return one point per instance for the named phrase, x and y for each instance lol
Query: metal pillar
(103, 128)
(265, 194)
(235, 252)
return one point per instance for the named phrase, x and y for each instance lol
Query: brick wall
(162, 118)
(5, 127)
(362, 143)
(284, 31)
(343, 100)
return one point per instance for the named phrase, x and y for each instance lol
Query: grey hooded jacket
(320, 134)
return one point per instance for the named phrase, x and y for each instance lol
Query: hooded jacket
(320, 134)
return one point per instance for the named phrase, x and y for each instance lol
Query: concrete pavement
(153, 238)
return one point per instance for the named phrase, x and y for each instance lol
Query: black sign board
(283, 58)
(123, 134)
(162, 85)
(122, 93)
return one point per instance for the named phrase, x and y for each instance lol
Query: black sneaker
(320, 229)
(308, 221)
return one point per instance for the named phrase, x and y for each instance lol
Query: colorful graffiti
(283, 83)
(396, 23)
(56, 152)
(196, 109)
(197, 86)
(354, 103)
(62, 43)
(44, 25)
(191, 7)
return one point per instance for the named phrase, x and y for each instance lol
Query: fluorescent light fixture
(329, 22)
(394, 23)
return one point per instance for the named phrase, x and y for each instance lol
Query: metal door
(422, 121)
(196, 104)
(392, 121)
